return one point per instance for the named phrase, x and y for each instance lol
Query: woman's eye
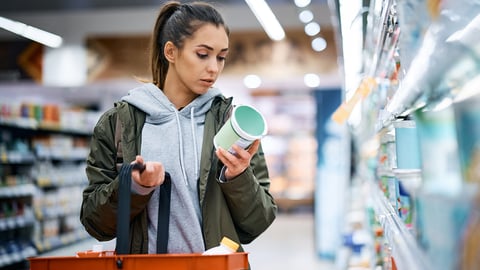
(221, 58)
(202, 56)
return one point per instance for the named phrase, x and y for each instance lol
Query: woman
(168, 125)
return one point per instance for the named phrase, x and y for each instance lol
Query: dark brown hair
(175, 23)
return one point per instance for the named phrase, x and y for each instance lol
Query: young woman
(168, 125)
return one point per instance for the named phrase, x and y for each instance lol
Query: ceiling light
(30, 32)
(312, 29)
(311, 80)
(319, 44)
(252, 81)
(302, 3)
(267, 19)
(305, 16)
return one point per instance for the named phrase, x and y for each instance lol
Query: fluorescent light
(30, 32)
(267, 19)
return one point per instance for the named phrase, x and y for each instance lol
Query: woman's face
(198, 64)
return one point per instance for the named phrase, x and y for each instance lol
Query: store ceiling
(74, 20)
(71, 5)
(77, 20)
(99, 17)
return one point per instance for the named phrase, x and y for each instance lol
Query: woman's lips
(207, 82)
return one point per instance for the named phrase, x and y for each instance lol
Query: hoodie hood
(150, 99)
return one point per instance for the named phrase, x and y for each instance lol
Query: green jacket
(240, 209)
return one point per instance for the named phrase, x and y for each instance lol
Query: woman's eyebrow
(210, 48)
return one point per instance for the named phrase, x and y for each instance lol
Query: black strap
(163, 214)
(123, 215)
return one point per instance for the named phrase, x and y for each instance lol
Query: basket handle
(123, 216)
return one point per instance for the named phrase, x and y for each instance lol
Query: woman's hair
(175, 23)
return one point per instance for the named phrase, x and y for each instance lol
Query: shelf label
(346, 108)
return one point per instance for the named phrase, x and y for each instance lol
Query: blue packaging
(467, 119)
(407, 145)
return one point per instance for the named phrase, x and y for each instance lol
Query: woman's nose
(213, 66)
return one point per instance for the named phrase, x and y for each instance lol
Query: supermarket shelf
(15, 252)
(290, 204)
(29, 124)
(16, 158)
(55, 242)
(17, 191)
(21, 221)
(407, 253)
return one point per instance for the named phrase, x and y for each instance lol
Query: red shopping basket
(234, 261)
(120, 259)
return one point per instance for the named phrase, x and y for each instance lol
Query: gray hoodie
(174, 138)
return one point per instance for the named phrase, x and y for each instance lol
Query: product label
(243, 143)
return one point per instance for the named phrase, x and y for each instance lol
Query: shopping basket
(234, 261)
(119, 259)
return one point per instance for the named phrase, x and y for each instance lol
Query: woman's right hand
(152, 176)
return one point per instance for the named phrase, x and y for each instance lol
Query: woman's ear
(170, 51)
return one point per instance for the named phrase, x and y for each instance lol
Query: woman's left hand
(237, 163)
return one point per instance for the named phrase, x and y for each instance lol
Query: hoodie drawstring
(192, 122)
(182, 163)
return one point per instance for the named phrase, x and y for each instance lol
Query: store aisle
(287, 245)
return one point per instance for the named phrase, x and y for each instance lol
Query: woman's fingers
(237, 163)
(152, 175)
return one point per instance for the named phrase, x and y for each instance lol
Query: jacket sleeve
(100, 198)
(252, 207)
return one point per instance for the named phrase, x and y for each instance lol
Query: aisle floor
(287, 245)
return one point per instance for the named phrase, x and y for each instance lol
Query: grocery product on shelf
(407, 145)
(42, 156)
(439, 151)
(424, 192)
(467, 124)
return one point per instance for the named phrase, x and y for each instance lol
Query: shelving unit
(41, 182)
(290, 147)
(16, 196)
(408, 254)
(16, 223)
(420, 66)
